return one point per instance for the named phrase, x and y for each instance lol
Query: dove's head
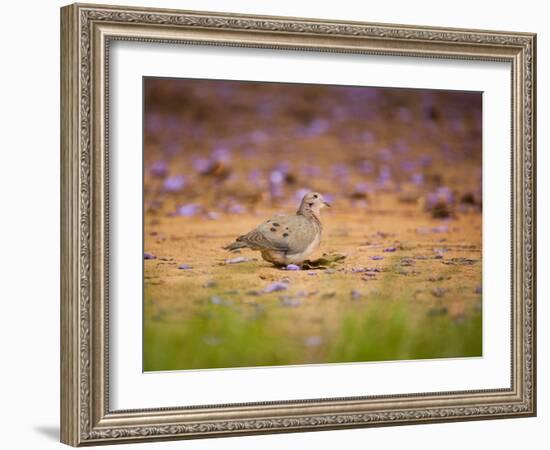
(312, 202)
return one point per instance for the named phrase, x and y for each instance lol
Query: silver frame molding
(86, 33)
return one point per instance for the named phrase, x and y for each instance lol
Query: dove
(287, 239)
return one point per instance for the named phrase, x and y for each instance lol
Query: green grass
(218, 337)
(397, 333)
(383, 328)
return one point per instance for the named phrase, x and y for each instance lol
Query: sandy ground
(435, 269)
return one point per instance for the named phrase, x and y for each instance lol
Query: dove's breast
(301, 257)
(303, 238)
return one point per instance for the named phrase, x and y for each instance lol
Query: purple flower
(408, 166)
(390, 249)
(148, 255)
(457, 125)
(417, 179)
(340, 171)
(153, 123)
(368, 137)
(173, 122)
(289, 301)
(440, 202)
(425, 160)
(316, 128)
(159, 169)
(202, 165)
(275, 287)
(188, 210)
(440, 229)
(185, 267)
(312, 273)
(366, 167)
(255, 176)
(221, 154)
(445, 193)
(401, 146)
(275, 190)
(276, 177)
(311, 171)
(172, 149)
(384, 154)
(361, 188)
(355, 295)
(258, 136)
(292, 267)
(283, 167)
(404, 114)
(174, 184)
(213, 215)
(376, 257)
(236, 208)
(384, 175)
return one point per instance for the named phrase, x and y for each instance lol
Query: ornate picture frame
(86, 34)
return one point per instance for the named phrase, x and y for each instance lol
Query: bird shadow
(50, 431)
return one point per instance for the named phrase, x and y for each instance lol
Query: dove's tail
(236, 245)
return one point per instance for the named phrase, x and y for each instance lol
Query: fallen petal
(174, 184)
(159, 169)
(188, 210)
(290, 302)
(275, 287)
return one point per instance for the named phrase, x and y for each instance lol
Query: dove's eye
(315, 196)
(311, 204)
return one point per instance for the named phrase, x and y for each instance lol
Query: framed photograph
(275, 225)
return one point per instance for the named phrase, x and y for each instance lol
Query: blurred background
(224, 147)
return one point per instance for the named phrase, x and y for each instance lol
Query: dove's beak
(326, 204)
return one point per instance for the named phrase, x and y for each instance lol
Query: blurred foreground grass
(282, 329)
(221, 339)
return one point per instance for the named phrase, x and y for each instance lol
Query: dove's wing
(265, 237)
(291, 234)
